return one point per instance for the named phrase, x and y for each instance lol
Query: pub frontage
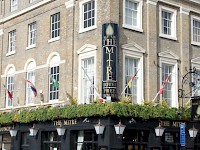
(110, 128)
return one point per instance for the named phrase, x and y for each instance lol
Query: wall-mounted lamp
(33, 131)
(60, 130)
(13, 132)
(193, 132)
(159, 130)
(99, 128)
(119, 128)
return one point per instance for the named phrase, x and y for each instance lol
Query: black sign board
(110, 50)
(195, 113)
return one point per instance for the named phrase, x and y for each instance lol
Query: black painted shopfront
(81, 135)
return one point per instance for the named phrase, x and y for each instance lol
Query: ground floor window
(171, 141)
(51, 141)
(135, 139)
(25, 140)
(5, 141)
(85, 140)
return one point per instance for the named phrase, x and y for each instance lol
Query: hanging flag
(132, 78)
(102, 100)
(54, 82)
(8, 92)
(32, 87)
(164, 83)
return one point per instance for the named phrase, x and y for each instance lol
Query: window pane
(54, 83)
(55, 25)
(131, 67)
(131, 13)
(88, 14)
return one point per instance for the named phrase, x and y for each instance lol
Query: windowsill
(82, 30)
(168, 37)
(132, 28)
(195, 43)
(54, 39)
(10, 53)
(31, 46)
(53, 101)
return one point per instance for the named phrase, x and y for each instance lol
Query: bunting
(131, 80)
(8, 92)
(32, 87)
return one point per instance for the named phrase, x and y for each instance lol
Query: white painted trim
(133, 47)
(31, 46)
(28, 62)
(195, 60)
(7, 69)
(10, 53)
(168, 55)
(1, 32)
(152, 2)
(86, 48)
(69, 4)
(139, 17)
(24, 70)
(174, 76)
(51, 55)
(81, 29)
(184, 11)
(36, 5)
(135, 54)
(197, 19)
(173, 35)
(54, 39)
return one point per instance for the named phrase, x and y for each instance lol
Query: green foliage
(44, 113)
(126, 99)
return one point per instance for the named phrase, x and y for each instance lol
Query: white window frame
(55, 38)
(196, 63)
(30, 69)
(135, 52)
(11, 42)
(32, 34)
(138, 27)
(9, 87)
(192, 39)
(13, 5)
(81, 21)
(50, 83)
(173, 35)
(174, 77)
(86, 51)
(31, 1)
(29, 92)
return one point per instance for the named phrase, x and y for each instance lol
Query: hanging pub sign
(109, 46)
(195, 113)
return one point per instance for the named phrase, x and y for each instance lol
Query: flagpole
(163, 85)
(128, 82)
(91, 82)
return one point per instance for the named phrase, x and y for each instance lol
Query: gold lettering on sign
(65, 122)
(109, 61)
(165, 123)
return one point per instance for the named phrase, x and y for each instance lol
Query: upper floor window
(13, 5)
(55, 25)
(54, 76)
(12, 41)
(32, 34)
(133, 72)
(9, 90)
(87, 15)
(131, 68)
(132, 18)
(168, 89)
(195, 27)
(167, 22)
(87, 74)
(30, 88)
